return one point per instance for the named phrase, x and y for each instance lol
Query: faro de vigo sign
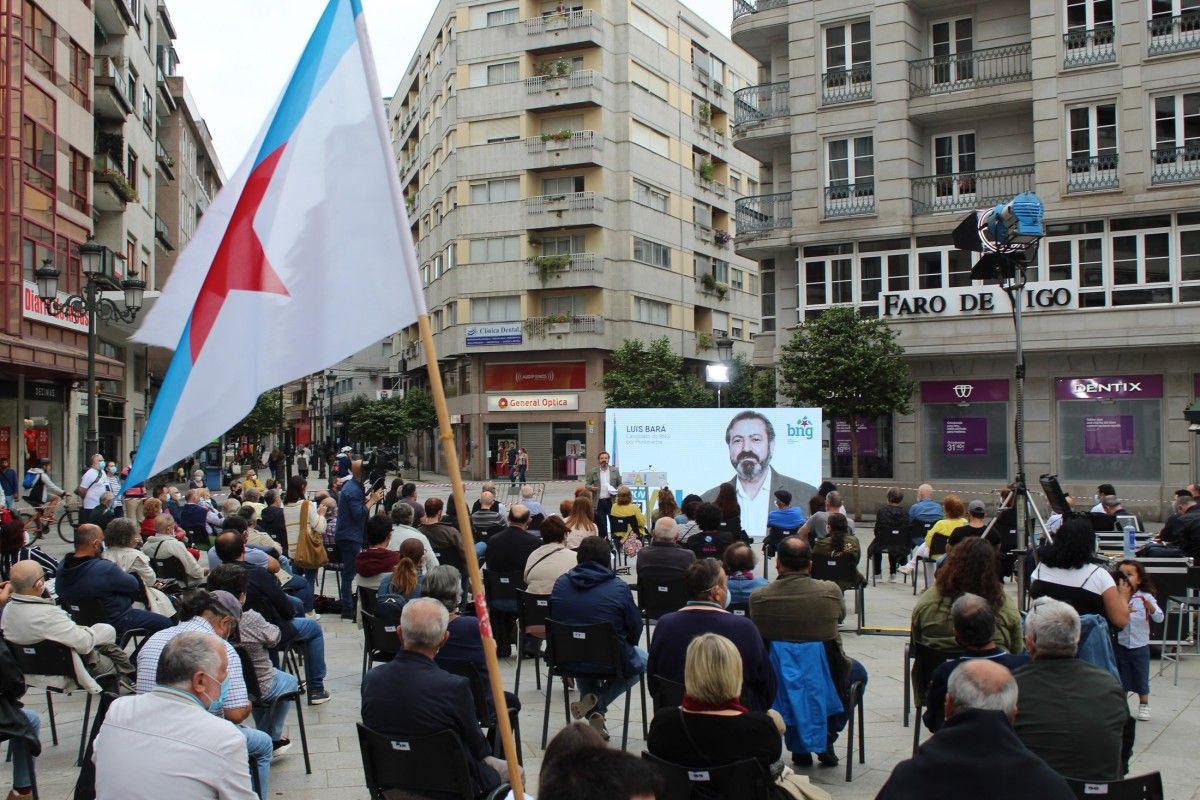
(976, 300)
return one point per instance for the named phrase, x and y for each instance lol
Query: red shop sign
(535, 377)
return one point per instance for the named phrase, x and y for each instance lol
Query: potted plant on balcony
(119, 183)
(535, 327)
(550, 266)
(704, 114)
(707, 170)
(558, 139)
(704, 341)
(721, 238)
(710, 285)
(558, 324)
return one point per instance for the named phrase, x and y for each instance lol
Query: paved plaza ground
(1166, 743)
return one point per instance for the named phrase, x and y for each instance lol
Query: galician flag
(304, 258)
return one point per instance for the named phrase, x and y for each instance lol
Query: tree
(263, 419)
(379, 422)
(422, 417)
(749, 386)
(850, 367)
(654, 376)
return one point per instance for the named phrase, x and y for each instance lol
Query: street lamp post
(329, 439)
(97, 265)
(719, 373)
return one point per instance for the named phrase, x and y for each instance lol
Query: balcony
(563, 149)
(1092, 173)
(549, 267)
(1085, 47)
(114, 17)
(971, 70)
(759, 103)
(112, 189)
(763, 212)
(743, 7)
(963, 191)
(561, 30)
(707, 131)
(162, 233)
(710, 185)
(165, 162)
(756, 23)
(563, 210)
(1174, 34)
(1175, 164)
(111, 101)
(581, 87)
(166, 104)
(846, 85)
(561, 332)
(850, 199)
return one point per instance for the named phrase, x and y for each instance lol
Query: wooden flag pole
(450, 454)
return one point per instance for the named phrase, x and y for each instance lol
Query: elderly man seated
(976, 753)
(412, 696)
(165, 744)
(1072, 714)
(163, 546)
(31, 617)
(663, 559)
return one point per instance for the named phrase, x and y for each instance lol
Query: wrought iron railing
(850, 199)
(743, 7)
(969, 70)
(1093, 173)
(757, 103)
(964, 191)
(1086, 46)
(846, 85)
(560, 20)
(1174, 34)
(763, 212)
(1175, 164)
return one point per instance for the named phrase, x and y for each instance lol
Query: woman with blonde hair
(582, 521)
(623, 506)
(953, 511)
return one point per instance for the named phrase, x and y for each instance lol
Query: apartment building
(570, 183)
(880, 127)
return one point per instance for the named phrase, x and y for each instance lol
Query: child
(1133, 643)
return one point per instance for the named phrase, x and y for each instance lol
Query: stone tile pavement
(1167, 743)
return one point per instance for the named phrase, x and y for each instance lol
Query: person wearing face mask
(708, 598)
(91, 485)
(192, 753)
(215, 614)
(112, 483)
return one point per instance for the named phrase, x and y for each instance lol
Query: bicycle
(57, 511)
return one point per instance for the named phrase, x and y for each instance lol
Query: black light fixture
(93, 258)
(134, 288)
(46, 277)
(724, 347)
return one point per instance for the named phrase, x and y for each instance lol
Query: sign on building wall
(868, 437)
(965, 436)
(1113, 387)
(535, 377)
(489, 334)
(969, 301)
(533, 402)
(967, 390)
(1108, 435)
(32, 307)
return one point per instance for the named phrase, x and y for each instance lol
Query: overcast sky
(236, 54)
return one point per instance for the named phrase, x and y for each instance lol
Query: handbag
(310, 549)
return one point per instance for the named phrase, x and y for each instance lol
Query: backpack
(37, 489)
(29, 480)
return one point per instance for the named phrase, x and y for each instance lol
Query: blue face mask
(728, 597)
(216, 705)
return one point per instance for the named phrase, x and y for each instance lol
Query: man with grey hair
(195, 754)
(1072, 714)
(976, 752)
(412, 696)
(527, 500)
(926, 509)
(488, 518)
(975, 632)
(402, 528)
(664, 559)
(163, 546)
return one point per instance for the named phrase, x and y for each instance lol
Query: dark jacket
(8, 482)
(375, 561)
(266, 596)
(592, 593)
(351, 513)
(508, 550)
(890, 518)
(935, 698)
(412, 696)
(660, 561)
(976, 754)
(710, 544)
(174, 509)
(272, 523)
(193, 516)
(83, 578)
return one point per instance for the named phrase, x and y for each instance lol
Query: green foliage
(707, 169)
(378, 422)
(750, 386)
(420, 410)
(850, 366)
(264, 419)
(652, 376)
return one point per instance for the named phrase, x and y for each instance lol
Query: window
(653, 253)
(702, 214)
(80, 77)
(39, 39)
(827, 276)
(496, 309)
(567, 184)
(436, 266)
(562, 245)
(496, 191)
(1108, 435)
(505, 16)
(81, 166)
(570, 305)
(952, 46)
(38, 154)
(1139, 259)
(647, 195)
(1093, 147)
(451, 313)
(652, 311)
(954, 165)
(720, 270)
(451, 256)
(1086, 15)
(851, 162)
(736, 328)
(848, 50)
(650, 139)
(642, 21)
(720, 323)
(1090, 35)
(645, 79)
(506, 72)
(147, 106)
(767, 298)
(736, 278)
(437, 321)
(497, 248)
(1176, 155)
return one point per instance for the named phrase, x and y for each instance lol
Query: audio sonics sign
(962, 301)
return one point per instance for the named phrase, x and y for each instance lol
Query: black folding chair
(917, 531)
(771, 542)
(928, 564)
(380, 642)
(747, 779)
(920, 662)
(841, 570)
(89, 611)
(485, 711)
(198, 537)
(895, 543)
(422, 766)
(656, 598)
(333, 564)
(739, 609)
(589, 652)
(1179, 606)
(532, 610)
(1142, 787)
(170, 569)
(665, 693)
(48, 659)
(258, 703)
(629, 527)
(366, 599)
(501, 587)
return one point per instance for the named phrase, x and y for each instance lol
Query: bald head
(665, 530)
(25, 575)
(924, 491)
(982, 684)
(486, 499)
(518, 515)
(88, 539)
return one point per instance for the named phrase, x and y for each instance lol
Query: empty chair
(745, 779)
(421, 766)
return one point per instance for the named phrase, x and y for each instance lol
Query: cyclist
(43, 493)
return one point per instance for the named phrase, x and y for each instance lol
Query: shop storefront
(875, 447)
(1110, 428)
(964, 429)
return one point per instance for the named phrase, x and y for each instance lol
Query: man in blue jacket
(8, 482)
(353, 508)
(926, 509)
(84, 575)
(591, 594)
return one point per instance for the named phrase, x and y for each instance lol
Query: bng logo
(802, 429)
